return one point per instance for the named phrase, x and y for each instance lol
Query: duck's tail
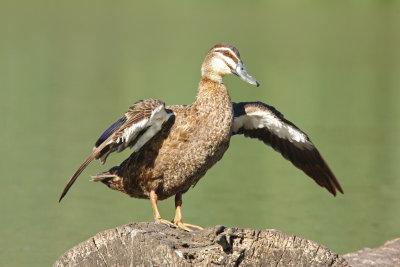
(111, 179)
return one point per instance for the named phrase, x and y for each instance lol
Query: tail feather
(102, 176)
(111, 179)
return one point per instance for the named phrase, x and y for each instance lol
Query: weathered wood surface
(153, 244)
(386, 255)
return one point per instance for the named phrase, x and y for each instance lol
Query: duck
(174, 146)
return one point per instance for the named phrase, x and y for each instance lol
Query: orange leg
(178, 216)
(157, 216)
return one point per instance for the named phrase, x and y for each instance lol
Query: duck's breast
(196, 141)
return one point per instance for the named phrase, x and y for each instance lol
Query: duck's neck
(212, 92)
(213, 112)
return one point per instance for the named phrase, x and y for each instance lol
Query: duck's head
(224, 59)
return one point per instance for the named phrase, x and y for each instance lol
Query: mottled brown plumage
(184, 150)
(176, 145)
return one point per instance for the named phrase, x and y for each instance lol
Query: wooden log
(386, 255)
(154, 244)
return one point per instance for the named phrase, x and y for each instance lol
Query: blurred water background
(68, 69)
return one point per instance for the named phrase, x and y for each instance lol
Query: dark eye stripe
(229, 65)
(229, 54)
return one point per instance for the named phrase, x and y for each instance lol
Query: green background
(68, 69)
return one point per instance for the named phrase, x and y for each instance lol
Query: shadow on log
(153, 244)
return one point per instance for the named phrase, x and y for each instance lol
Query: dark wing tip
(340, 189)
(63, 195)
(333, 181)
(76, 174)
(67, 187)
(320, 172)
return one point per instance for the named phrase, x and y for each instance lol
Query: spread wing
(138, 125)
(264, 122)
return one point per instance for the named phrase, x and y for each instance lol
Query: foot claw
(161, 220)
(188, 227)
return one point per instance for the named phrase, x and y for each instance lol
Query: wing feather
(264, 122)
(138, 125)
(116, 125)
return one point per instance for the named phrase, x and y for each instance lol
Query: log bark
(386, 255)
(154, 244)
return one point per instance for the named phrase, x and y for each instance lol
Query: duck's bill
(244, 75)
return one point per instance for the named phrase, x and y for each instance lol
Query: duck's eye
(226, 53)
